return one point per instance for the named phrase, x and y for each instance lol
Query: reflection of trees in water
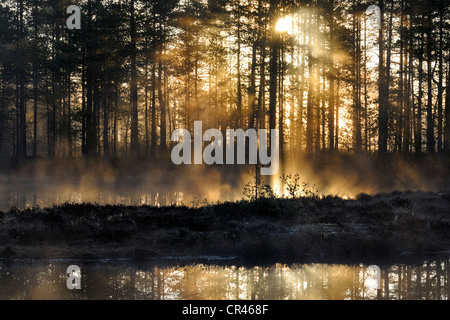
(311, 281)
(23, 199)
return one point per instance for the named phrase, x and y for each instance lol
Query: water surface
(169, 280)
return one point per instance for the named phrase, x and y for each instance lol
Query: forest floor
(369, 227)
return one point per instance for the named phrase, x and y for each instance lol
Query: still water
(25, 200)
(155, 280)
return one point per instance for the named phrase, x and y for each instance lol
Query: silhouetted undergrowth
(378, 225)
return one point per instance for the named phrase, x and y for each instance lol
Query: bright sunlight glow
(284, 24)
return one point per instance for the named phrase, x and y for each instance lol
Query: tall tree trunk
(153, 136)
(317, 110)
(447, 115)
(430, 122)
(273, 83)
(273, 69)
(252, 89)
(311, 94)
(22, 150)
(69, 117)
(48, 114)
(336, 136)
(382, 88)
(91, 135)
(97, 108)
(281, 104)
(196, 60)
(440, 82)
(239, 86)
(2, 116)
(331, 78)
(116, 133)
(162, 104)
(407, 98)
(400, 95)
(162, 109)
(35, 80)
(357, 82)
(366, 120)
(418, 130)
(133, 87)
(147, 137)
(388, 78)
(301, 89)
(262, 78)
(83, 108)
(262, 88)
(106, 102)
(51, 117)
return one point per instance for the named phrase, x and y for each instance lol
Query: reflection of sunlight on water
(47, 199)
(114, 280)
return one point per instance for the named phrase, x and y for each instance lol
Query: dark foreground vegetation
(379, 226)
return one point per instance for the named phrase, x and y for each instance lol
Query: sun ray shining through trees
(226, 130)
(320, 71)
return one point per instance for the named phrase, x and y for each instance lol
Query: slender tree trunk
(318, 108)
(447, 115)
(153, 129)
(97, 108)
(163, 109)
(430, 122)
(196, 58)
(401, 94)
(252, 89)
(366, 124)
(2, 116)
(35, 80)
(91, 118)
(407, 99)
(273, 81)
(440, 83)
(69, 117)
(262, 86)
(83, 108)
(301, 89)
(147, 137)
(357, 82)
(336, 136)
(331, 78)
(323, 108)
(162, 104)
(239, 86)
(388, 78)
(281, 104)
(133, 87)
(116, 133)
(382, 87)
(311, 95)
(52, 113)
(17, 120)
(22, 150)
(292, 108)
(48, 114)
(418, 131)
(106, 101)
(261, 118)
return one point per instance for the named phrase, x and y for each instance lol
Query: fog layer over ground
(44, 183)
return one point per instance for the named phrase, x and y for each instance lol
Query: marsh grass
(378, 225)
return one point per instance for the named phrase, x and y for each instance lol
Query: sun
(284, 24)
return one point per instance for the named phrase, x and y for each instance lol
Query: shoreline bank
(376, 227)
